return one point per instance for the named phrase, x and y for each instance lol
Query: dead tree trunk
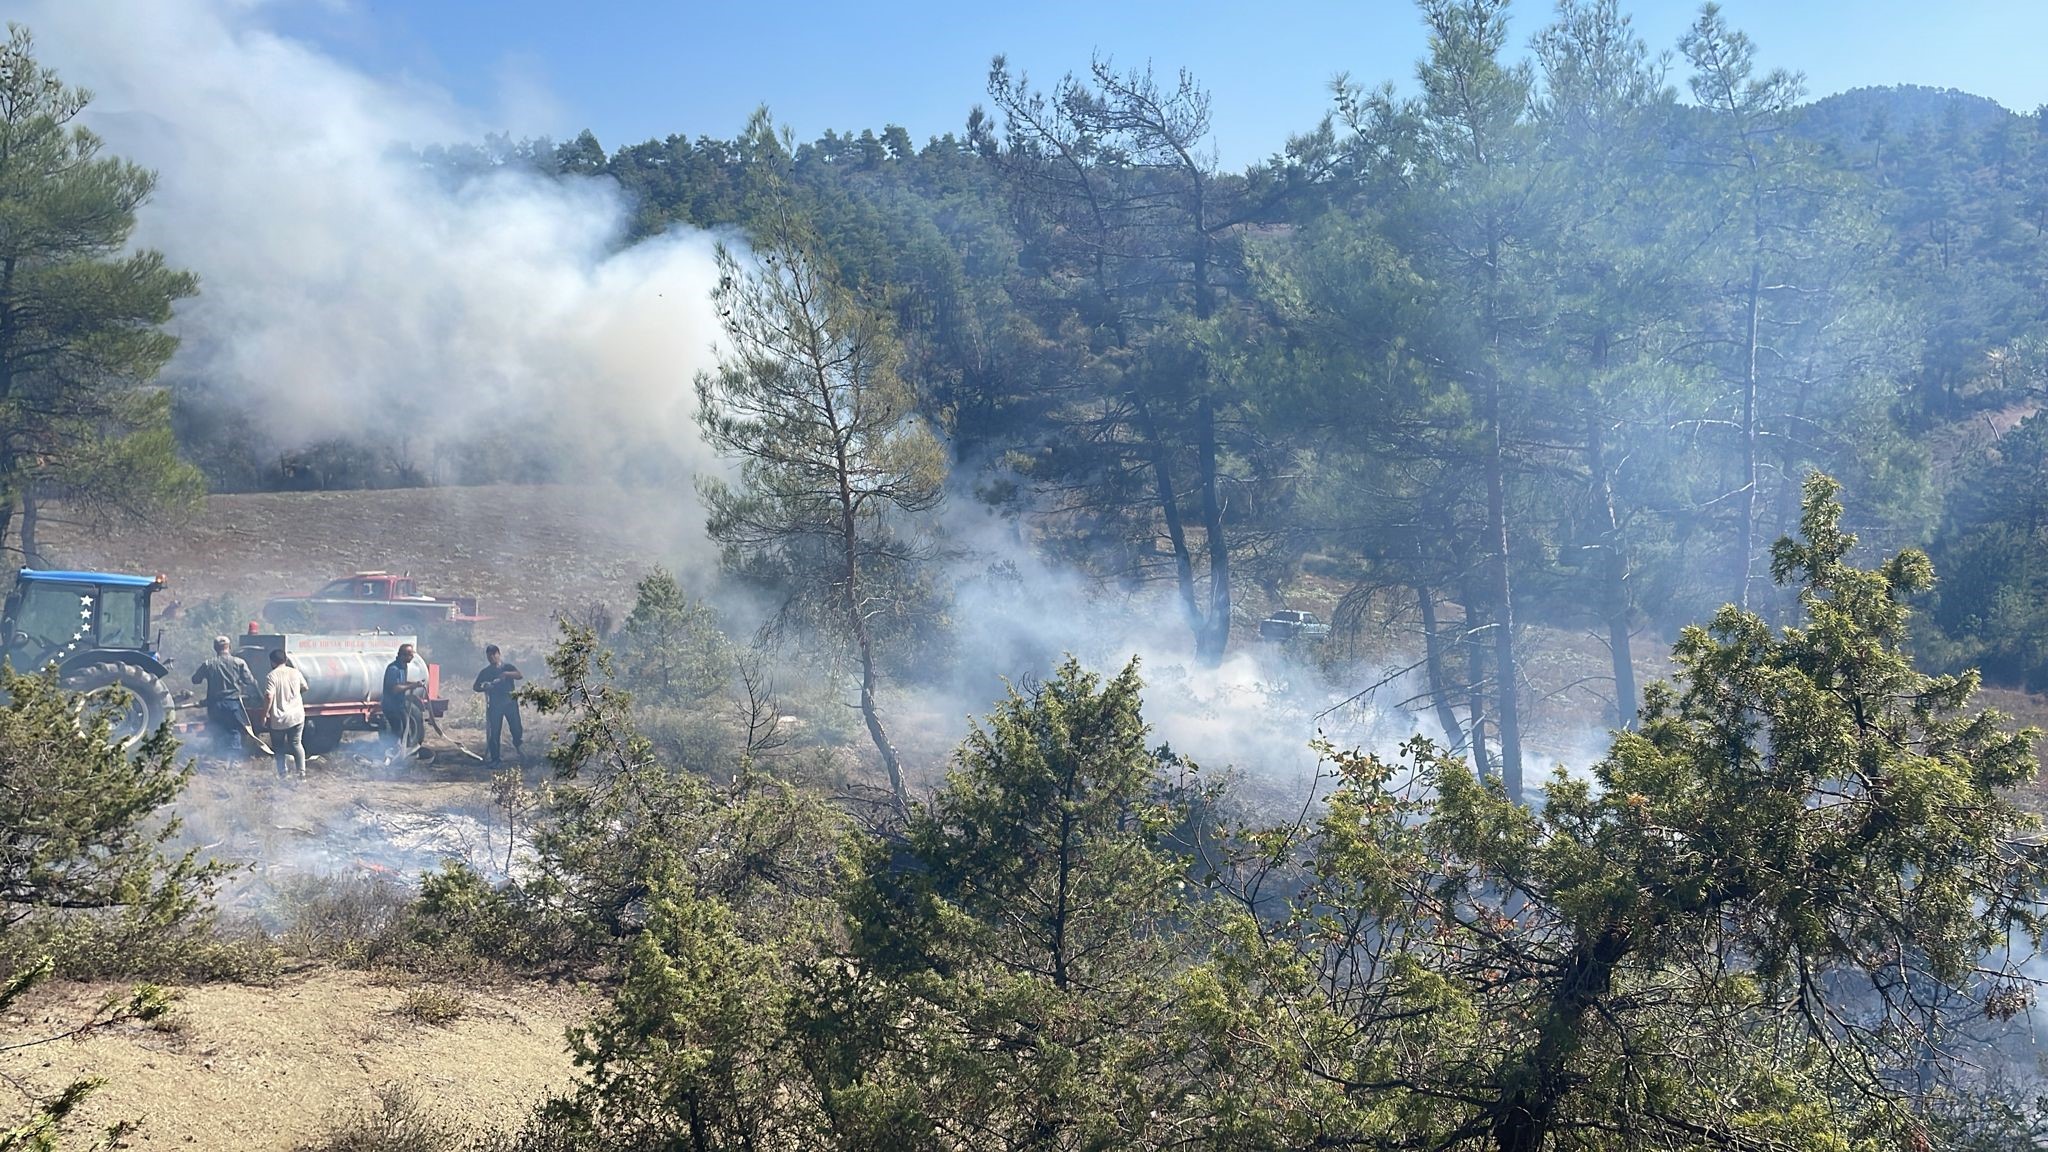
(1433, 660)
(1504, 665)
(1613, 576)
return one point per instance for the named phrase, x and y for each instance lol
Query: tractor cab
(69, 618)
(93, 628)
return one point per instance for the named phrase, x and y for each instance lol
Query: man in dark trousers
(402, 719)
(229, 683)
(497, 682)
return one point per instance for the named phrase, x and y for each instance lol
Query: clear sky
(634, 69)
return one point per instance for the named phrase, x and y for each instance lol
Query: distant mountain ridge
(1846, 117)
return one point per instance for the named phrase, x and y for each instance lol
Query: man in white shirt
(284, 713)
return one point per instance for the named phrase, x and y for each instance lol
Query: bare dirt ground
(525, 552)
(275, 1067)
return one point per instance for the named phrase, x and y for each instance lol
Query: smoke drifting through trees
(356, 286)
(1431, 378)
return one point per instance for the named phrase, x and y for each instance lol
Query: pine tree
(834, 466)
(1797, 880)
(1141, 237)
(1028, 935)
(670, 648)
(81, 319)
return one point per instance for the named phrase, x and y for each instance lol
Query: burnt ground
(353, 813)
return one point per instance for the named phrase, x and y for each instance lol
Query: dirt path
(272, 1068)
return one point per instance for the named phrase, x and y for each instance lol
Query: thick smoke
(350, 293)
(1257, 713)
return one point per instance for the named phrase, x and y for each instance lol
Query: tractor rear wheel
(137, 701)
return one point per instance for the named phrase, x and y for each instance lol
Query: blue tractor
(94, 628)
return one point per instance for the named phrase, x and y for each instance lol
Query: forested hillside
(1553, 340)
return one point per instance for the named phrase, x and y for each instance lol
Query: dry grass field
(525, 552)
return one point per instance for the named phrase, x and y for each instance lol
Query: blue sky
(634, 69)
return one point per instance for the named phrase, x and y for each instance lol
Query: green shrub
(670, 649)
(82, 837)
(435, 1004)
(460, 920)
(695, 739)
(204, 950)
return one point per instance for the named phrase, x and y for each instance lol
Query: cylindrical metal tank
(338, 669)
(341, 677)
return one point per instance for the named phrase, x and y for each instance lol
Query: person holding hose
(402, 716)
(498, 682)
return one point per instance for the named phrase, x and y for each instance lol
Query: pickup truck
(1288, 625)
(386, 601)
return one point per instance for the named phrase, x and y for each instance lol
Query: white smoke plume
(347, 292)
(1258, 712)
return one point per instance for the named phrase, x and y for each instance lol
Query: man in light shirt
(284, 713)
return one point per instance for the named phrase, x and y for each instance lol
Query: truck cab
(376, 601)
(94, 629)
(370, 586)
